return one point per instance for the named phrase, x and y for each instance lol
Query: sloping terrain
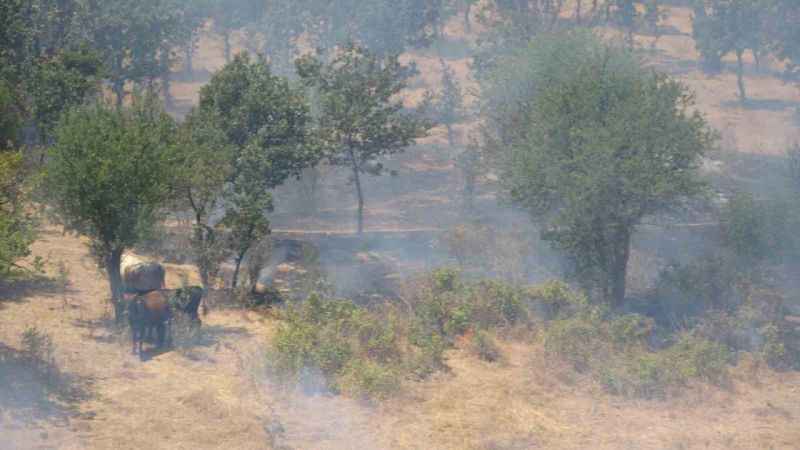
(212, 394)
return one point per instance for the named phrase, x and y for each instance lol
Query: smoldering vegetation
(388, 184)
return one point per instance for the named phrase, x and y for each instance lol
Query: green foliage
(720, 27)
(10, 117)
(135, 39)
(484, 346)
(630, 330)
(557, 300)
(361, 116)
(369, 380)
(596, 143)
(686, 291)
(46, 66)
(384, 26)
(696, 357)
(783, 27)
(109, 173)
(60, 83)
(759, 231)
(205, 163)
(264, 117)
(261, 124)
(357, 351)
(776, 348)
(616, 354)
(17, 230)
(448, 105)
(576, 340)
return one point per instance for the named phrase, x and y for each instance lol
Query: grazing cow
(140, 276)
(153, 310)
(148, 311)
(187, 300)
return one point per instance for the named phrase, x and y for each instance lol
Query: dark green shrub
(696, 357)
(369, 380)
(427, 356)
(630, 330)
(555, 300)
(684, 292)
(575, 340)
(349, 348)
(774, 349)
(640, 374)
(495, 303)
(484, 346)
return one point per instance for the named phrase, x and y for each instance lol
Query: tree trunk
(619, 266)
(360, 195)
(450, 135)
(359, 192)
(165, 85)
(757, 58)
(578, 11)
(113, 262)
(119, 90)
(740, 75)
(238, 265)
(188, 60)
(226, 38)
(467, 19)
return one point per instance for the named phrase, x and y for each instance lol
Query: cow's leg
(133, 339)
(161, 329)
(169, 332)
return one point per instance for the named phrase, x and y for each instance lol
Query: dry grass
(213, 396)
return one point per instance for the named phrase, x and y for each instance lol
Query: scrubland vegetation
(380, 199)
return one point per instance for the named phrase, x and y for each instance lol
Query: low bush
(484, 346)
(648, 374)
(576, 340)
(355, 349)
(366, 352)
(615, 351)
(554, 299)
(364, 378)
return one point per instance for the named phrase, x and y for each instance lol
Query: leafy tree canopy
(254, 107)
(362, 117)
(599, 143)
(110, 172)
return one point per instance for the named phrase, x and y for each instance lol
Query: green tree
(448, 106)
(205, 164)
(10, 117)
(601, 143)
(267, 123)
(784, 29)
(249, 201)
(724, 26)
(231, 15)
(17, 231)
(63, 81)
(109, 173)
(361, 114)
(136, 39)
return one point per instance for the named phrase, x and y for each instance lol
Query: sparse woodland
(415, 224)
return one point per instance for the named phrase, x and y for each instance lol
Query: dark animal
(187, 300)
(146, 312)
(142, 276)
(153, 311)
